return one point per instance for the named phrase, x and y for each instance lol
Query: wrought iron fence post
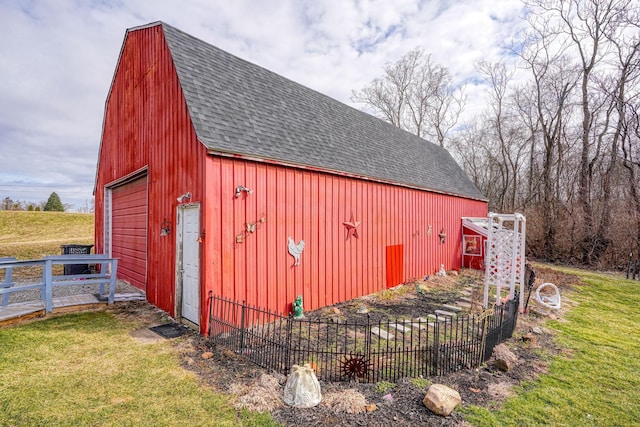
(210, 313)
(436, 345)
(512, 323)
(242, 326)
(288, 349)
(367, 347)
(367, 342)
(483, 343)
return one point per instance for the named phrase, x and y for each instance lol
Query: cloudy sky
(58, 58)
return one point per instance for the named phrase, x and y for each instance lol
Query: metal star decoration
(352, 227)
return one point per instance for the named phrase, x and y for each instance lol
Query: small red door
(394, 265)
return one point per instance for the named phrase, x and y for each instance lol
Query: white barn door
(189, 261)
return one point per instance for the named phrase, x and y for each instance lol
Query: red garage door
(129, 231)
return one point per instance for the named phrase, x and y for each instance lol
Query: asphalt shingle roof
(241, 108)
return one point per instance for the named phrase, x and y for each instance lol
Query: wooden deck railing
(105, 274)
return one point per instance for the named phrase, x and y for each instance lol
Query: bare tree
(550, 91)
(511, 139)
(584, 27)
(631, 161)
(7, 204)
(563, 143)
(416, 95)
(583, 31)
(474, 149)
(627, 103)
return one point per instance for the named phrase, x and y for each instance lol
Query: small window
(472, 245)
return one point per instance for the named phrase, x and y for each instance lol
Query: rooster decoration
(295, 250)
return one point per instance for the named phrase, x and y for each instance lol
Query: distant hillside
(32, 235)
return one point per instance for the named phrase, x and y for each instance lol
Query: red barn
(212, 170)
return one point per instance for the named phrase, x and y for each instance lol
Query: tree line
(559, 139)
(53, 204)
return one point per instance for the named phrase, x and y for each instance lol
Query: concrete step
(127, 297)
(381, 333)
(423, 325)
(438, 318)
(452, 308)
(445, 313)
(399, 327)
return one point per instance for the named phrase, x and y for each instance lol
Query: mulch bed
(398, 404)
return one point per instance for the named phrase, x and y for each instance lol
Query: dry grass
(348, 401)
(264, 395)
(500, 391)
(33, 235)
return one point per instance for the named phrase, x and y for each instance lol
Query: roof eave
(274, 161)
(471, 225)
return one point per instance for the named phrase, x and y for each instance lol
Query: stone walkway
(470, 300)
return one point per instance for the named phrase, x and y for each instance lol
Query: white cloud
(58, 59)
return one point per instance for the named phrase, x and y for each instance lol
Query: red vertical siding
(312, 206)
(147, 125)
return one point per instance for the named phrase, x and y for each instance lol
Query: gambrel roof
(242, 109)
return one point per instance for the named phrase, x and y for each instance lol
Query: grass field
(32, 235)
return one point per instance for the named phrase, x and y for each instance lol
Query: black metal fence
(367, 351)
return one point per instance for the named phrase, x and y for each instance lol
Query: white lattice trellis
(504, 256)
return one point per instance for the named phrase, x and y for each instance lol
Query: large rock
(441, 400)
(503, 358)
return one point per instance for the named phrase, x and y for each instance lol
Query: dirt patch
(366, 404)
(558, 278)
(140, 311)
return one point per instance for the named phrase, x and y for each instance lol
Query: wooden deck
(18, 312)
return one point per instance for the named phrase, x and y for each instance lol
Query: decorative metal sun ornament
(356, 366)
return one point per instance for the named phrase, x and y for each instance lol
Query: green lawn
(85, 369)
(596, 382)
